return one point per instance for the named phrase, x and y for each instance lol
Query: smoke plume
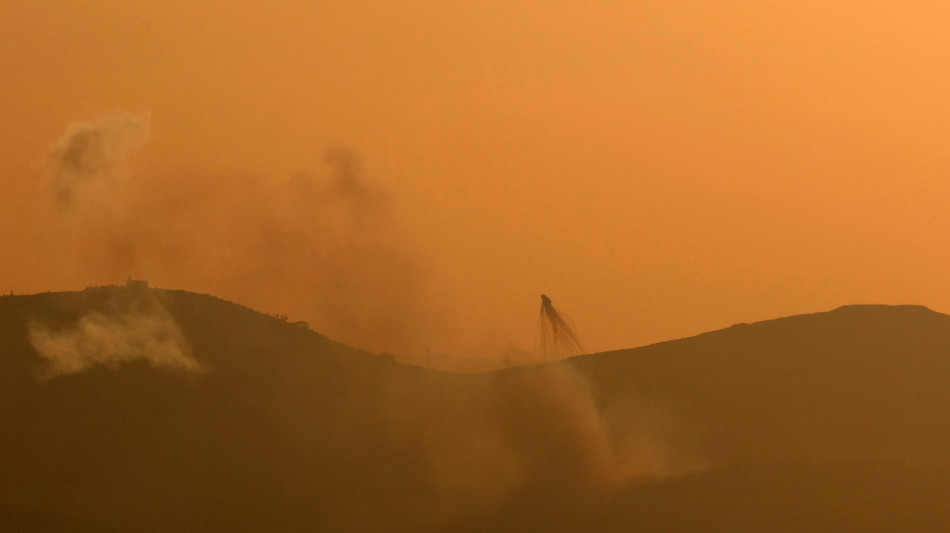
(319, 247)
(90, 156)
(561, 432)
(133, 327)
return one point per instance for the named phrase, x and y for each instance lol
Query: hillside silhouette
(825, 422)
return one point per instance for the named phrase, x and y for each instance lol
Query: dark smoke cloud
(91, 156)
(559, 339)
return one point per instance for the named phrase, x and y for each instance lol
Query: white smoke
(145, 331)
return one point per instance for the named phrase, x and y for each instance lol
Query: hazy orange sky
(659, 169)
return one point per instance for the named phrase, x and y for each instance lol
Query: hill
(150, 410)
(856, 382)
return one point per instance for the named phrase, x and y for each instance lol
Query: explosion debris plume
(558, 337)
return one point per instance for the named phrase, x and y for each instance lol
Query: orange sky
(658, 168)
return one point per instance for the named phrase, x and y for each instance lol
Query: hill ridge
(869, 310)
(289, 429)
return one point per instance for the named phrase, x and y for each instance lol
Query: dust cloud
(561, 432)
(544, 426)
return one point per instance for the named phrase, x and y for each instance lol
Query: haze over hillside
(209, 416)
(358, 204)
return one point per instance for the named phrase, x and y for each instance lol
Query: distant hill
(277, 428)
(859, 381)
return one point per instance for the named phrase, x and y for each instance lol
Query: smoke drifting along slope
(318, 248)
(134, 326)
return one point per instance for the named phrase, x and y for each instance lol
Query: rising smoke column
(323, 248)
(93, 237)
(558, 338)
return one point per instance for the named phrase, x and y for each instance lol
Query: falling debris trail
(558, 338)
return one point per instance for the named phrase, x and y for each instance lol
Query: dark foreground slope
(834, 421)
(278, 420)
(853, 496)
